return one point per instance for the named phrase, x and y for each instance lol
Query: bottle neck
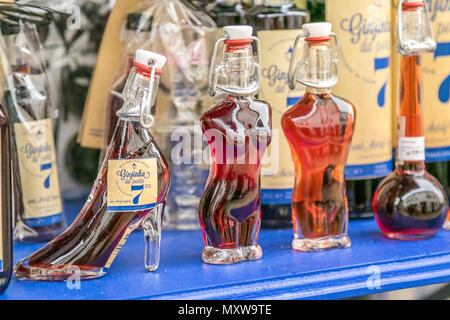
(238, 75)
(318, 69)
(410, 117)
(137, 102)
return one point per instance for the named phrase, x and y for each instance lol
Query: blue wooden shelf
(281, 274)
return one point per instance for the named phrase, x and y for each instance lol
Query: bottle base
(411, 236)
(213, 255)
(447, 225)
(321, 244)
(24, 271)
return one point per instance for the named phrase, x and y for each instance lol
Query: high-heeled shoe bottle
(130, 192)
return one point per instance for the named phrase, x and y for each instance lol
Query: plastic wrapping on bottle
(185, 35)
(70, 48)
(38, 205)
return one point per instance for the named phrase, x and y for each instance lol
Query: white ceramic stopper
(238, 32)
(143, 57)
(318, 29)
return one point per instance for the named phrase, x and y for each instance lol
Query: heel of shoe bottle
(152, 227)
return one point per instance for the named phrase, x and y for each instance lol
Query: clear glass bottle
(276, 23)
(38, 205)
(130, 192)
(410, 204)
(238, 131)
(319, 129)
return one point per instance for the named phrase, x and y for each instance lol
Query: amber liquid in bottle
(410, 204)
(319, 129)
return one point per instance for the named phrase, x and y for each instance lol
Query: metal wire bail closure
(146, 102)
(293, 73)
(407, 48)
(214, 72)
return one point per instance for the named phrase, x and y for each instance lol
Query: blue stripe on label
(46, 166)
(45, 221)
(382, 63)
(1, 265)
(293, 100)
(369, 171)
(130, 208)
(437, 154)
(276, 196)
(442, 49)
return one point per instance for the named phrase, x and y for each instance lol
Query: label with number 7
(132, 184)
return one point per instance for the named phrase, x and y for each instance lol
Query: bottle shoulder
(312, 104)
(406, 186)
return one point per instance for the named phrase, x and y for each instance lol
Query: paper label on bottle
(38, 172)
(411, 149)
(278, 174)
(436, 82)
(364, 31)
(132, 184)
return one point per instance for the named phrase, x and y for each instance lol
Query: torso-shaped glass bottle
(130, 192)
(238, 131)
(38, 205)
(410, 204)
(6, 202)
(319, 129)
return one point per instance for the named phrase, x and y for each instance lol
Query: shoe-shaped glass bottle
(410, 204)
(238, 131)
(130, 192)
(319, 129)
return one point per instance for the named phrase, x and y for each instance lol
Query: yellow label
(436, 85)
(38, 169)
(278, 169)
(132, 184)
(363, 28)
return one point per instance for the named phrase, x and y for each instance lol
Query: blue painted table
(373, 264)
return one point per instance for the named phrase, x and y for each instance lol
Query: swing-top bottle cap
(318, 29)
(238, 32)
(144, 57)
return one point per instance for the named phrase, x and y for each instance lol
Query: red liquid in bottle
(410, 204)
(238, 132)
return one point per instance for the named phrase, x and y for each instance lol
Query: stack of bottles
(277, 83)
